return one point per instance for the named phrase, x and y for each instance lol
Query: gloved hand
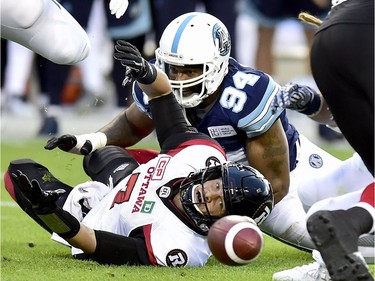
(118, 7)
(298, 97)
(137, 68)
(78, 144)
(42, 201)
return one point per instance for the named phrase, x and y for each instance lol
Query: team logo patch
(315, 161)
(223, 38)
(176, 258)
(147, 207)
(212, 161)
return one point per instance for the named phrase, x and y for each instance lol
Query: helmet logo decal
(177, 37)
(315, 161)
(263, 215)
(218, 33)
(212, 161)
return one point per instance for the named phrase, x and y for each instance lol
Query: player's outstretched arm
(131, 125)
(101, 246)
(305, 100)
(152, 81)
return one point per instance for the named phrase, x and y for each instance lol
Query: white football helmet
(195, 39)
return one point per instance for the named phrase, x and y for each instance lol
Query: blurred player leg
(17, 73)
(46, 28)
(335, 233)
(350, 175)
(289, 224)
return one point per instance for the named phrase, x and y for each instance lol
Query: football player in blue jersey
(231, 103)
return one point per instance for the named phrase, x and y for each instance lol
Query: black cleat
(337, 243)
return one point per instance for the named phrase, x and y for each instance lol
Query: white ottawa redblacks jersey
(144, 199)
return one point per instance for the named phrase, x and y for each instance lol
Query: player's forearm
(160, 87)
(324, 116)
(269, 154)
(128, 128)
(119, 133)
(84, 240)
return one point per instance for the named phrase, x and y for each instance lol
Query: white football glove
(118, 7)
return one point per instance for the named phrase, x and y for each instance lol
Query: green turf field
(27, 253)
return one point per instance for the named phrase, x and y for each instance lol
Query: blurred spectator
(16, 68)
(100, 77)
(90, 80)
(133, 28)
(164, 11)
(53, 77)
(268, 14)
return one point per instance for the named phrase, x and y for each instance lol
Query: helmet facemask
(190, 202)
(211, 50)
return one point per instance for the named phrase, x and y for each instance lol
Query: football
(235, 240)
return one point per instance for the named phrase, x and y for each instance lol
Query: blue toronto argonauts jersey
(242, 111)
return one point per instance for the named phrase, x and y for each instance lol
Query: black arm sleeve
(168, 117)
(170, 124)
(116, 249)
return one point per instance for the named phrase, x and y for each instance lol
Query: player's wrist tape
(97, 140)
(61, 222)
(314, 106)
(150, 74)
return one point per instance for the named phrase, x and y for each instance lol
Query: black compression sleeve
(167, 116)
(116, 249)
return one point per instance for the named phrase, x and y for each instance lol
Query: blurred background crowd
(265, 34)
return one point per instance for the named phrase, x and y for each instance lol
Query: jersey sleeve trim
(262, 118)
(140, 99)
(150, 251)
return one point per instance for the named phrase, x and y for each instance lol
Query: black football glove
(297, 97)
(65, 142)
(136, 67)
(78, 144)
(41, 201)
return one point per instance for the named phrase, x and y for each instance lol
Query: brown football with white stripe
(235, 240)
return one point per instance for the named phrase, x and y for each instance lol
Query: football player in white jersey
(157, 213)
(313, 192)
(47, 29)
(231, 103)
